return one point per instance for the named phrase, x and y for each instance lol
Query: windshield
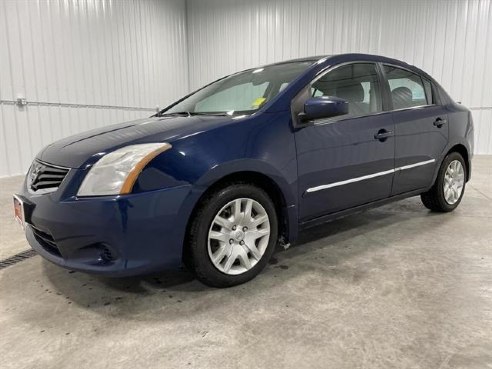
(240, 93)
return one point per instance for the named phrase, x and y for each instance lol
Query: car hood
(84, 148)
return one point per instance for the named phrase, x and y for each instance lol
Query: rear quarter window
(428, 91)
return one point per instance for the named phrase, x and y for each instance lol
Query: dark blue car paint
(139, 229)
(145, 230)
(333, 152)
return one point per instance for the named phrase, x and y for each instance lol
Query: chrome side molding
(369, 176)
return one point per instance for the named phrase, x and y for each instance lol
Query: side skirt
(357, 209)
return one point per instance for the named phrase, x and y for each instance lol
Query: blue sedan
(216, 180)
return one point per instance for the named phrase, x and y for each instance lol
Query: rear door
(421, 129)
(347, 160)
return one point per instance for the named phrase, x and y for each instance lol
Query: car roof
(300, 60)
(349, 57)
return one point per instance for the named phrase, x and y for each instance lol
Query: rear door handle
(439, 122)
(383, 134)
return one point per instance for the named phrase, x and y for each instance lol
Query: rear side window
(357, 83)
(407, 88)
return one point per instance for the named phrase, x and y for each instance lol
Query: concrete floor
(395, 287)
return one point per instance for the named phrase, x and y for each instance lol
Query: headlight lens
(116, 172)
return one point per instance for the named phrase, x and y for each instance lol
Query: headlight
(116, 172)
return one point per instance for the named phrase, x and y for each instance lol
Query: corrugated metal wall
(450, 39)
(86, 63)
(83, 64)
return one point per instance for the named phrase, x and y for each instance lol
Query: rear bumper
(110, 235)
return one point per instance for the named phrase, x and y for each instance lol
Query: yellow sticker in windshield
(257, 103)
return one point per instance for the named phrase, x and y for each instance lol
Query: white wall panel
(87, 63)
(83, 64)
(450, 39)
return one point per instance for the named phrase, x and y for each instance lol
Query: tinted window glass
(407, 89)
(356, 83)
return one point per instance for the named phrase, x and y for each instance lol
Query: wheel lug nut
(242, 242)
(245, 229)
(231, 241)
(233, 228)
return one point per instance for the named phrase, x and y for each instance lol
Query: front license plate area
(19, 213)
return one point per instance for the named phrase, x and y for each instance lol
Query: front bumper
(110, 235)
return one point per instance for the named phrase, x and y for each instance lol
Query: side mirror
(323, 107)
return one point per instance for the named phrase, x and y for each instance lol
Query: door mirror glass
(323, 107)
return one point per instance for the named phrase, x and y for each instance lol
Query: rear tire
(225, 245)
(449, 187)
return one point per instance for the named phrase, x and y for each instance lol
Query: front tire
(447, 192)
(232, 235)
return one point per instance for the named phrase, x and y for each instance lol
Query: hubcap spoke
(237, 211)
(258, 221)
(219, 255)
(259, 233)
(254, 250)
(223, 222)
(247, 210)
(219, 236)
(229, 262)
(238, 236)
(244, 259)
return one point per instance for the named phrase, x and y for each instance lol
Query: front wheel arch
(257, 179)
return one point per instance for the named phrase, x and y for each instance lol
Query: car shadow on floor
(334, 241)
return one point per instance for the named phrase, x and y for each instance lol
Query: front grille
(46, 240)
(43, 177)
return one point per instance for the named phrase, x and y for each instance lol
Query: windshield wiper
(190, 113)
(179, 113)
(211, 113)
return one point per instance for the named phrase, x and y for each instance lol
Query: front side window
(407, 88)
(356, 83)
(241, 93)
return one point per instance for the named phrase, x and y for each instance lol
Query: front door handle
(439, 122)
(383, 134)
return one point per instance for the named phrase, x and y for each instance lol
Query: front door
(348, 160)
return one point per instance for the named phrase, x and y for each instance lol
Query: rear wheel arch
(463, 151)
(449, 186)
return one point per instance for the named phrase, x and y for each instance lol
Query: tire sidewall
(440, 181)
(201, 259)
